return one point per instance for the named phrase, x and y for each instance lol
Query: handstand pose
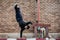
(19, 19)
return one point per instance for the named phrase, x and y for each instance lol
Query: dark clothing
(18, 14)
(24, 24)
(19, 19)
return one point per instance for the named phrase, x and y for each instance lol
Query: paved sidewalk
(27, 39)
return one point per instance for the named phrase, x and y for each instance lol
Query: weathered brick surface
(49, 14)
(7, 14)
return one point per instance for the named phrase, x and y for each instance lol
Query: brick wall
(8, 22)
(49, 14)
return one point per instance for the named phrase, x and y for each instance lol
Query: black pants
(22, 26)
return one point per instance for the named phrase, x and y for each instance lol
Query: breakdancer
(23, 25)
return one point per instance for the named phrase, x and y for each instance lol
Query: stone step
(26, 35)
(25, 39)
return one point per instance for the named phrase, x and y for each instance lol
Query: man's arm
(15, 7)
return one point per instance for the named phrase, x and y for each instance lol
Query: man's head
(28, 26)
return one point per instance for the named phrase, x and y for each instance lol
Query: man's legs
(22, 26)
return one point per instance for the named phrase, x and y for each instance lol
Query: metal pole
(38, 3)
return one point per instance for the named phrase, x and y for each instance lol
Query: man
(23, 25)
